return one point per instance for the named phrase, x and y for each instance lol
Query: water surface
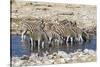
(19, 50)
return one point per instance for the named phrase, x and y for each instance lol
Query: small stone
(59, 56)
(59, 61)
(62, 60)
(38, 62)
(62, 54)
(15, 59)
(19, 63)
(80, 55)
(54, 57)
(25, 57)
(86, 51)
(67, 59)
(51, 61)
(79, 50)
(54, 54)
(83, 59)
(47, 62)
(50, 56)
(31, 63)
(74, 58)
(25, 62)
(92, 52)
(55, 63)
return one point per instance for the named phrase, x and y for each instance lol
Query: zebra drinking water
(66, 32)
(51, 33)
(54, 37)
(35, 31)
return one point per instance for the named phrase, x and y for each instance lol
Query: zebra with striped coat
(54, 37)
(35, 31)
(64, 31)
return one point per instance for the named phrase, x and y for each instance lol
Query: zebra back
(31, 26)
(63, 30)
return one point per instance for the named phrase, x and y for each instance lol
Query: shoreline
(59, 57)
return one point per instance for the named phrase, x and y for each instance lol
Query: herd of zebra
(43, 33)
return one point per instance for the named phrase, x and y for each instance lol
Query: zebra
(54, 37)
(74, 31)
(81, 35)
(35, 30)
(66, 32)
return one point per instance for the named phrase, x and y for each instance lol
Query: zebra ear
(42, 25)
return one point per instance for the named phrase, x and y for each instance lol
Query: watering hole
(17, 49)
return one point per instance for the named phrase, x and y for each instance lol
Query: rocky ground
(84, 15)
(59, 57)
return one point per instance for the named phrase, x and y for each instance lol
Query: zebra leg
(58, 42)
(61, 40)
(55, 42)
(50, 40)
(23, 35)
(76, 39)
(67, 44)
(38, 45)
(42, 44)
(71, 39)
(80, 38)
(34, 44)
(31, 43)
(67, 39)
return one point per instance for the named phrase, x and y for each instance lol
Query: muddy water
(19, 50)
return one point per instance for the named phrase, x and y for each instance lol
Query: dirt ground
(84, 15)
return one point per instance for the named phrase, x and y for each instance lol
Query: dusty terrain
(84, 15)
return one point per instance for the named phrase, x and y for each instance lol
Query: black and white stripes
(35, 30)
(52, 33)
